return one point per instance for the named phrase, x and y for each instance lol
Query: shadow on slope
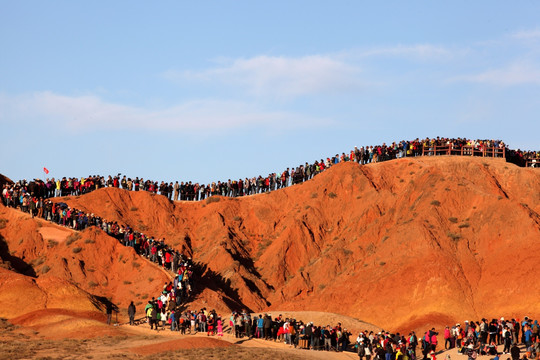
(14, 262)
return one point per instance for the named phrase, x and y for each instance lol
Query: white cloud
(84, 113)
(517, 73)
(285, 77)
(415, 52)
(281, 77)
(526, 34)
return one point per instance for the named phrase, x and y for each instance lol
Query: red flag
(46, 170)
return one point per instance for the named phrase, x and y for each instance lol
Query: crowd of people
(165, 310)
(472, 339)
(39, 189)
(155, 250)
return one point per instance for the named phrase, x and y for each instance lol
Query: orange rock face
(47, 266)
(403, 244)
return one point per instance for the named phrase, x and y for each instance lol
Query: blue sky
(213, 90)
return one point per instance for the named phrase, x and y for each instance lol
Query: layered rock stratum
(402, 244)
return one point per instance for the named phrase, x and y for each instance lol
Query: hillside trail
(60, 233)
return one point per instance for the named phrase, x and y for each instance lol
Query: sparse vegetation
(382, 263)
(76, 250)
(322, 286)
(3, 223)
(213, 199)
(89, 241)
(370, 249)
(435, 203)
(265, 243)
(453, 236)
(384, 238)
(237, 218)
(45, 269)
(332, 195)
(133, 208)
(38, 261)
(150, 279)
(464, 225)
(453, 220)
(92, 284)
(314, 195)
(126, 282)
(72, 238)
(136, 264)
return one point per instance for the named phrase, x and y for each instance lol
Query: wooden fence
(495, 152)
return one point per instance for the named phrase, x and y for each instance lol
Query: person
(361, 350)
(507, 335)
(413, 341)
(426, 345)
(219, 327)
(260, 324)
(109, 312)
(210, 324)
(267, 324)
(447, 336)
(527, 336)
(131, 313)
(433, 340)
(515, 351)
(472, 351)
(327, 335)
(154, 318)
(316, 342)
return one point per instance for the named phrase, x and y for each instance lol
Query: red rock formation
(401, 244)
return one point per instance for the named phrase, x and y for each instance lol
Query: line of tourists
(472, 338)
(193, 191)
(153, 249)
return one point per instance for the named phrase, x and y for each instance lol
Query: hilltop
(402, 244)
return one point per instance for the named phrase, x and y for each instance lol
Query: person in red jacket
(168, 258)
